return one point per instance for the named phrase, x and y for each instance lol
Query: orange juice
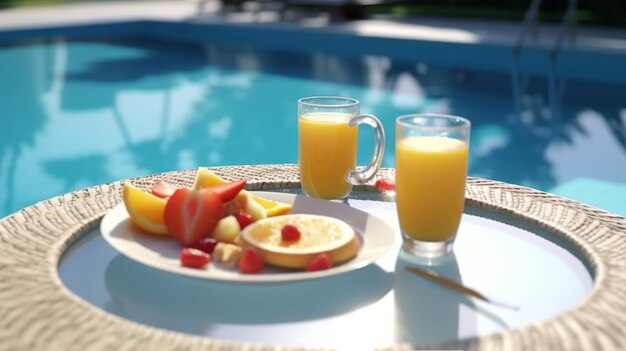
(326, 153)
(430, 186)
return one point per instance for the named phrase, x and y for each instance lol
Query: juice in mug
(430, 184)
(327, 152)
(328, 130)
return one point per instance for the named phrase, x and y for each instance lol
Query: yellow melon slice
(206, 179)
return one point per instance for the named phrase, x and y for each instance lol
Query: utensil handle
(451, 284)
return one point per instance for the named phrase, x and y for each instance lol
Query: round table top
(38, 311)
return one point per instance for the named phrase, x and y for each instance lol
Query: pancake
(319, 234)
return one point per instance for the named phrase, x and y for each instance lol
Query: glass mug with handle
(328, 144)
(431, 172)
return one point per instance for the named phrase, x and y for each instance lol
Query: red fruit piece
(250, 262)
(194, 258)
(163, 189)
(319, 263)
(244, 219)
(385, 184)
(205, 244)
(290, 233)
(192, 214)
(228, 191)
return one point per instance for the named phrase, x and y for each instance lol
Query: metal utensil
(450, 284)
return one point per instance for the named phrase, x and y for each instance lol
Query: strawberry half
(192, 214)
(228, 191)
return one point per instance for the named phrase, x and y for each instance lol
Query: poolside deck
(210, 11)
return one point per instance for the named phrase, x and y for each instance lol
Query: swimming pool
(80, 112)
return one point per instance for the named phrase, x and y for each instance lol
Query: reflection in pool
(81, 113)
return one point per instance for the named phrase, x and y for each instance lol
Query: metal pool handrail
(530, 19)
(556, 86)
(567, 28)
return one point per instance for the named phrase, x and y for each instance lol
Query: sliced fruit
(272, 208)
(145, 210)
(250, 262)
(205, 244)
(228, 191)
(192, 214)
(290, 232)
(194, 258)
(236, 205)
(162, 189)
(227, 229)
(254, 208)
(205, 178)
(244, 219)
(319, 263)
(227, 254)
(318, 234)
(243, 202)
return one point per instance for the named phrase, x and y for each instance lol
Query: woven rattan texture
(38, 313)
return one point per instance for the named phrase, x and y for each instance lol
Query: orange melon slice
(145, 210)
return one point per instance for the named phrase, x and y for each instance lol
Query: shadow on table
(427, 312)
(165, 300)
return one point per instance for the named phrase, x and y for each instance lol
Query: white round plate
(162, 252)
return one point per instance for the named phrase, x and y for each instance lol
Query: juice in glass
(327, 152)
(431, 169)
(430, 184)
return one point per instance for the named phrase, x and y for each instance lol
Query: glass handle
(359, 177)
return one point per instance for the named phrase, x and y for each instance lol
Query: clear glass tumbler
(431, 171)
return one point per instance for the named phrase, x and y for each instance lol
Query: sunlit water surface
(80, 113)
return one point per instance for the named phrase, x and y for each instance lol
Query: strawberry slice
(194, 258)
(319, 263)
(192, 214)
(228, 191)
(163, 189)
(205, 244)
(244, 219)
(250, 262)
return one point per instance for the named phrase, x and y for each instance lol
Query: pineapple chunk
(227, 254)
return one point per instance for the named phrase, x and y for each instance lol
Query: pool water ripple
(76, 113)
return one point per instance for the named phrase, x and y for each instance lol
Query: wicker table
(38, 312)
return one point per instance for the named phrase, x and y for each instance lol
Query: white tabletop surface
(378, 305)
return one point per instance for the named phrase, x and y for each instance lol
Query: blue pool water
(76, 113)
